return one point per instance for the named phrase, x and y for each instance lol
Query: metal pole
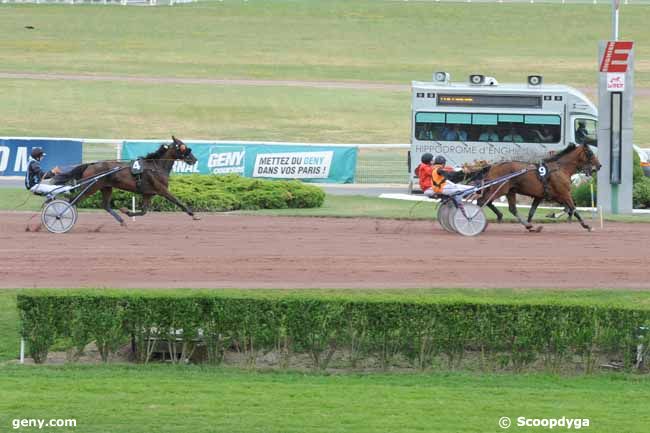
(22, 350)
(615, 5)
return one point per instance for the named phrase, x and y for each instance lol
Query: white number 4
(136, 165)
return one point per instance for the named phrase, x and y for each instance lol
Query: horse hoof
(196, 218)
(588, 228)
(124, 210)
(123, 224)
(538, 229)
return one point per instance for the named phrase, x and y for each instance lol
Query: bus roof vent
(534, 80)
(482, 80)
(441, 77)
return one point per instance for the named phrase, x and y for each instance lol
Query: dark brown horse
(552, 182)
(153, 180)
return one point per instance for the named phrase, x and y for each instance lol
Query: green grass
(9, 325)
(379, 41)
(298, 39)
(344, 206)
(174, 399)
(163, 398)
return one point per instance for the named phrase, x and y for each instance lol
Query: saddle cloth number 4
(136, 167)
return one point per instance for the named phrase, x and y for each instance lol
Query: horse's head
(588, 160)
(179, 151)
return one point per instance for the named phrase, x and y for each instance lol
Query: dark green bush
(582, 194)
(506, 335)
(640, 194)
(207, 193)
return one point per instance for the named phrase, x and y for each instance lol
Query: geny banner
(332, 164)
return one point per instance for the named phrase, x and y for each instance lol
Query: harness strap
(543, 173)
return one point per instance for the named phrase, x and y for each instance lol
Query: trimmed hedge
(208, 193)
(506, 335)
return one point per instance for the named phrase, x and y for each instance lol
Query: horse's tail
(75, 174)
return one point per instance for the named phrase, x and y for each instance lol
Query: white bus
(482, 120)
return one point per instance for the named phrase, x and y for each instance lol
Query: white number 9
(542, 170)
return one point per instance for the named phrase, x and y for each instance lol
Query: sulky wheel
(444, 211)
(58, 216)
(471, 223)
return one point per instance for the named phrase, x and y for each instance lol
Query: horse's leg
(107, 194)
(512, 207)
(481, 202)
(533, 208)
(146, 202)
(571, 210)
(496, 211)
(170, 197)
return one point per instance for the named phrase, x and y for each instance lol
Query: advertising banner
(324, 163)
(14, 154)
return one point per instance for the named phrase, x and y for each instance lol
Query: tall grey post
(615, 97)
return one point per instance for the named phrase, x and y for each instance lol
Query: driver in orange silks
(436, 178)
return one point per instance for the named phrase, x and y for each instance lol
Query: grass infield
(164, 398)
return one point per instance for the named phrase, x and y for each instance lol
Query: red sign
(615, 56)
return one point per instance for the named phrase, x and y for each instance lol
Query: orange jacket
(437, 178)
(423, 172)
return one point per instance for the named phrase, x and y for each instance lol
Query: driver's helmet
(441, 160)
(37, 153)
(426, 158)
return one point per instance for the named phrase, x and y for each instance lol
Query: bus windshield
(519, 128)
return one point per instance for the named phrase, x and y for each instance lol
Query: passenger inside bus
(513, 135)
(424, 132)
(455, 134)
(542, 135)
(490, 127)
(489, 135)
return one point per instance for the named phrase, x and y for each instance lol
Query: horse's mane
(158, 153)
(478, 174)
(570, 148)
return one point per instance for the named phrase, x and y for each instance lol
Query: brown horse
(153, 180)
(552, 182)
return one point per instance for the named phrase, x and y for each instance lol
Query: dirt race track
(171, 250)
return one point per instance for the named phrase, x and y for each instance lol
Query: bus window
(543, 128)
(585, 132)
(488, 127)
(428, 126)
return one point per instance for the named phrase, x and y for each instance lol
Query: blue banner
(14, 154)
(324, 163)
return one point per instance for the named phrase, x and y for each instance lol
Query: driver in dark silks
(39, 181)
(437, 178)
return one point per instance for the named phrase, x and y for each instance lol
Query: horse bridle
(588, 167)
(182, 154)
